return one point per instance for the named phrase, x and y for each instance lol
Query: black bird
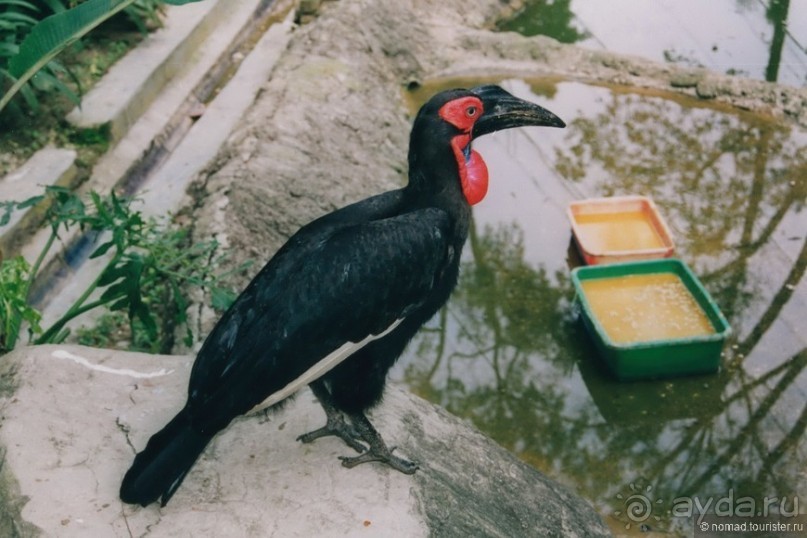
(337, 303)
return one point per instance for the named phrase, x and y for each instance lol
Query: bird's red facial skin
(462, 113)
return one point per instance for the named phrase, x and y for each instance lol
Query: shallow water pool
(509, 352)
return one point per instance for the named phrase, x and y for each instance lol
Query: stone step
(153, 121)
(163, 192)
(165, 189)
(175, 104)
(47, 167)
(132, 84)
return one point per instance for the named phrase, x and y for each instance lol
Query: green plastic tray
(655, 358)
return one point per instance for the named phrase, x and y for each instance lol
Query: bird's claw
(383, 456)
(340, 429)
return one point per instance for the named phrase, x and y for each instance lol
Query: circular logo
(636, 505)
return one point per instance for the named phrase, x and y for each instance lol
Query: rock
(706, 89)
(72, 418)
(686, 79)
(307, 11)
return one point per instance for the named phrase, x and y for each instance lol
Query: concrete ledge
(154, 126)
(46, 167)
(133, 83)
(73, 417)
(166, 188)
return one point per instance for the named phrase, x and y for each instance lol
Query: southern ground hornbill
(336, 305)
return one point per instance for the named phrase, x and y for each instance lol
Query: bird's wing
(333, 289)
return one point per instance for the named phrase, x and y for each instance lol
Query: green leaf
(115, 291)
(120, 207)
(11, 206)
(138, 21)
(14, 307)
(56, 68)
(142, 312)
(57, 190)
(100, 207)
(101, 250)
(51, 35)
(19, 18)
(7, 50)
(21, 3)
(30, 97)
(32, 201)
(188, 339)
(61, 337)
(122, 304)
(147, 279)
(48, 81)
(222, 298)
(110, 275)
(8, 209)
(54, 33)
(55, 5)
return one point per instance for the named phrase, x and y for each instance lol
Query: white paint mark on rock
(62, 354)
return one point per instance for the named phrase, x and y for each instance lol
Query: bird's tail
(159, 469)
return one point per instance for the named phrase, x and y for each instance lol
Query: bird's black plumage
(390, 261)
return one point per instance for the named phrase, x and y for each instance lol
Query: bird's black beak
(505, 111)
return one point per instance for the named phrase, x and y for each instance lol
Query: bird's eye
(471, 111)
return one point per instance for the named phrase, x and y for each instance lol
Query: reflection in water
(509, 353)
(762, 39)
(553, 18)
(777, 15)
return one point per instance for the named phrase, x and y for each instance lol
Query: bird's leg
(336, 424)
(378, 449)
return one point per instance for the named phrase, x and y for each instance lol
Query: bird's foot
(378, 448)
(354, 429)
(383, 455)
(338, 427)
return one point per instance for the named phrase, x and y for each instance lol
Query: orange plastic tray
(619, 229)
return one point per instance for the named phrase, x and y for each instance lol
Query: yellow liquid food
(606, 232)
(639, 308)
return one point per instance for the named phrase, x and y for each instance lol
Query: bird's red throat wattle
(462, 113)
(473, 170)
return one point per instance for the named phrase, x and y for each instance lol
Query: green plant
(149, 267)
(50, 36)
(145, 13)
(90, 136)
(14, 307)
(17, 18)
(108, 330)
(15, 281)
(149, 282)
